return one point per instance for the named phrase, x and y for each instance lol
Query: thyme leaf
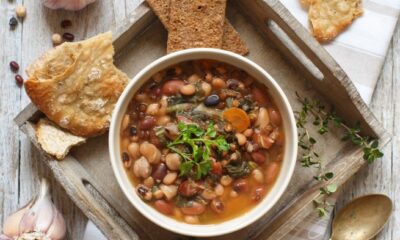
(323, 120)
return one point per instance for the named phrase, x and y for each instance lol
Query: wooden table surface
(20, 164)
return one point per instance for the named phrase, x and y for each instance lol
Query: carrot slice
(238, 118)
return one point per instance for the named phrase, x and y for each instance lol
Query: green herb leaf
(197, 162)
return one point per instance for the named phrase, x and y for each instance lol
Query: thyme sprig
(322, 119)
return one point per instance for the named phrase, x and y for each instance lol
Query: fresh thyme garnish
(194, 146)
(323, 119)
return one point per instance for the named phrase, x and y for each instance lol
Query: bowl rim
(203, 230)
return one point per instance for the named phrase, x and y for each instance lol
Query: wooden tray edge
(122, 37)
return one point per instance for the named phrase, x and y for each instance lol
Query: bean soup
(202, 142)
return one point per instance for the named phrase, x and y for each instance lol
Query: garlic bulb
(38, 220)
(72, 5)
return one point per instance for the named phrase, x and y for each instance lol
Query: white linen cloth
(360, 50)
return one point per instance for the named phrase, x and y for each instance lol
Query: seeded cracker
(195, 23)
(329, 17)
(231, 40)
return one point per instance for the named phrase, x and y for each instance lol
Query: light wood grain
(20, 163)
(383, 176)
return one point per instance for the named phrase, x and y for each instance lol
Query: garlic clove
(57, 229)
(72, 5)
(40, 219)
(4, 237)
(44, 215)
(11, 224)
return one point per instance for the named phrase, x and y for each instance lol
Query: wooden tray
(286, 50)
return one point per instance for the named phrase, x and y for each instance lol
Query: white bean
(226, 180)
(125, 122)
(188, 90)
(169, 191)
(150, 152)
(170, 178)
(173, 161)
(149, 182)
(241, 139)
(192, 219)
(133, 150)
(153, 109)
(206, 87)
(142, 168)
(258, 175)
(219, 190)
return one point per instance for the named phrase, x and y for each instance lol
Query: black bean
(66, 23)
(19, 80)
(14, 66)
(68, 37)
(125, 157)
(133, 131)
(13, 22)
(211, 100)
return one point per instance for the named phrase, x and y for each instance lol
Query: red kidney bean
(159, 172)
(155, 93)
(19, 80)
(259, 96)
(240, 185)
(275, 117)
(68, 37)
(164, 207)
(66, 23)
(154, 139)
(258, 157)
(193, 208)
(188, 189)
(271, 172)
(147, 123)
(14, 66)
(217, 206)
(172, 87)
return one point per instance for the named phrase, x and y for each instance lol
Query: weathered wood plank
(383, 176)
(20, 162)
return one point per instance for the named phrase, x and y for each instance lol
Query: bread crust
(76, 85)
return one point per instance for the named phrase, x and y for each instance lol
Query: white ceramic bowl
(290, 151)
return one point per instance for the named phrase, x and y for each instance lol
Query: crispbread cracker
(76, 85)
(195, 23)
(231, 40)
(161, 9)
(54, 140)
(329, 17)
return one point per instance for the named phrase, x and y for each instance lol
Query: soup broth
(202, 142)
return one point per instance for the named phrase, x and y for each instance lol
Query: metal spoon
(363, 218)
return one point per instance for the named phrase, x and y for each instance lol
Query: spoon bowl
(363, 218)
